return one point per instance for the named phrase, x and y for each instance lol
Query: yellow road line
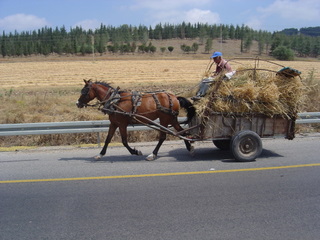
(158, 174)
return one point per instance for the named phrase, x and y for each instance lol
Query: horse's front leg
(153, 155)
(124, 138)
(112, 129)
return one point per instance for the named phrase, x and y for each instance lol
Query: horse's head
(87, 94)
(90, 91)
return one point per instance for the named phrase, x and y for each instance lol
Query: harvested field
(122, 73)
(125, 73)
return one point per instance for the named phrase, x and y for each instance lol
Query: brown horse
(126, 108)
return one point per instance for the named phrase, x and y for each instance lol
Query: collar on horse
(108, 104)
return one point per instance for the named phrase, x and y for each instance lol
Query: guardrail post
(98, 138)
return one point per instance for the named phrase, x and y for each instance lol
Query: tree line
(310, 31)
(128, 38)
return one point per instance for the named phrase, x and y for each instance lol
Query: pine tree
(3, 45)
(208, 45)
(202, 34)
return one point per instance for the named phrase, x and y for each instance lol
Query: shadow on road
(110, 159)
(215, 154)
(179, 154)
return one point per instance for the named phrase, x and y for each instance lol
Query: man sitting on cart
(221, 64)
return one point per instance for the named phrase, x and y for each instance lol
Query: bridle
(85, 92)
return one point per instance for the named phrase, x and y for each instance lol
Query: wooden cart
(240, 133)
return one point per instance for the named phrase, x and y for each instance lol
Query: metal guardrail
(19, 129)
(308, 117)
(60, 127)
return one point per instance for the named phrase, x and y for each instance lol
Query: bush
(283, 53)
(152, 49)
(170, 48)
(185, 48)
(195, 47)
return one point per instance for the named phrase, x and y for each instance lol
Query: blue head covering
(216, 54)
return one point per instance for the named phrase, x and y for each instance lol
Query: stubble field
(123, 73)
(46, 91)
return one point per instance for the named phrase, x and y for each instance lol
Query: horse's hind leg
(124, 138)
(112, 129)
(189, 147)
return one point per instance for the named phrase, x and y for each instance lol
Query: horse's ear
(87, 82)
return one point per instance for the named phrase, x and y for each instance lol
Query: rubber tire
(222, 144)
(246, 146)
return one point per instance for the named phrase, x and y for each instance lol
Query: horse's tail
(188, 106)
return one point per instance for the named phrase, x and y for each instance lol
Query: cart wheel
(246, 146)
(222, 144)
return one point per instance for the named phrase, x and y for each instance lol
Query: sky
(268, 15)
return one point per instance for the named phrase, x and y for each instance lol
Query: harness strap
(164, 109)
(112, 100)
(111, 104)
(108, 92)
(170, 101)
(136, 101)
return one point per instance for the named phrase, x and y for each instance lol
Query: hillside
(229, 48)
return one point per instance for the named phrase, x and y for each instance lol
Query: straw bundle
(252, 91)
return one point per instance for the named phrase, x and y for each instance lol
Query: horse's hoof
(192, 151)
(137, 152)
(151, 157)
(98, 157)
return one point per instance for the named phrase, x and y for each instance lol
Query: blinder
(84, 94)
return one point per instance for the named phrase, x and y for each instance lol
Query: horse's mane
(108, 86)
(104, 84)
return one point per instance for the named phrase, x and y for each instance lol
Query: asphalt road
(60, 193)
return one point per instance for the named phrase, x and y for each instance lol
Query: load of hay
(252, 91)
